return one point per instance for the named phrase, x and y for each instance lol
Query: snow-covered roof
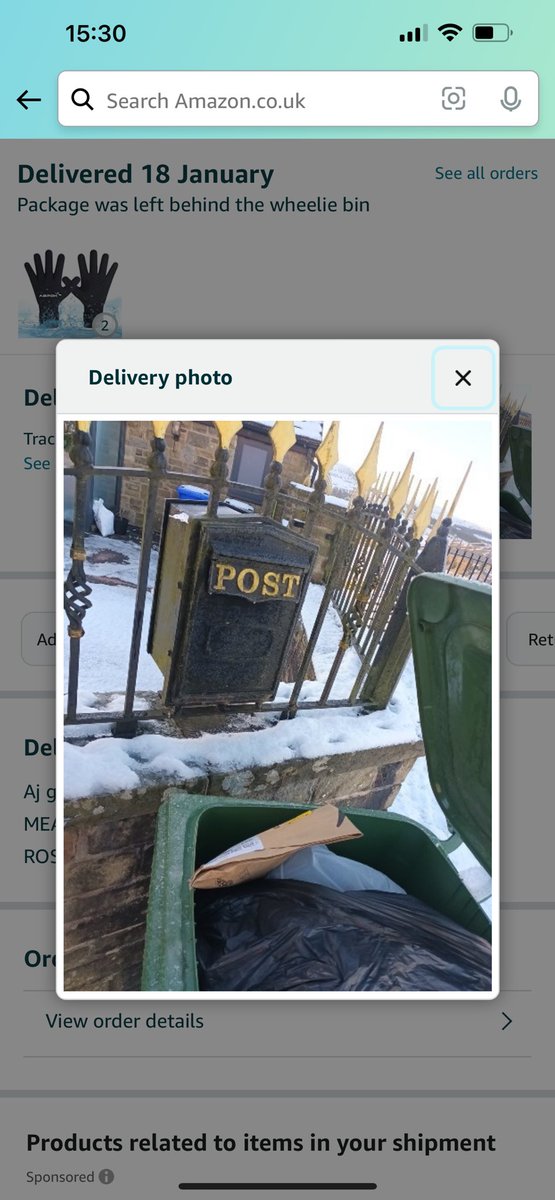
(339, 500)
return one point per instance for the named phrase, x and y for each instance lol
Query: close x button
(464, 378)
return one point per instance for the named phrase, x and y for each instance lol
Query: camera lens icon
(453, 98)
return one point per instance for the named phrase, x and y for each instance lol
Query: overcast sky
(443, 447)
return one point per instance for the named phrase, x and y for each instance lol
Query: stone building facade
(191, 448)
(193, 452)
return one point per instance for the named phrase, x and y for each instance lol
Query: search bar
(298, 98)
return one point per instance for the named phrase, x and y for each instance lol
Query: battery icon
(491, 33)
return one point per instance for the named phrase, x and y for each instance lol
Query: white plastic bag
(104, 519)
(319, 864)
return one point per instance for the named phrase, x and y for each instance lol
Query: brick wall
(107, 878)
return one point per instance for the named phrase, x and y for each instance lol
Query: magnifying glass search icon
(81, 98)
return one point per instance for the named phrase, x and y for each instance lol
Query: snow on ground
(125, 553)
(417, 801)
(109, 702)
(108, 624)
(105, 647)
(474, 877)
(324, 654)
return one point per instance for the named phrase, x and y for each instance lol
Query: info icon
(106, 1176)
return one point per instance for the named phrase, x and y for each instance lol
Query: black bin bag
(287, 936)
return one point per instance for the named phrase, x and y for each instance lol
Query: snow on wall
(108, 765)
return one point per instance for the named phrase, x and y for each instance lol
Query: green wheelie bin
(450, 622)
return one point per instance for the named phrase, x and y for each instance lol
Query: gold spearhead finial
(327, 453)
(367, 473)
(459, 493)
(282, 437)
(411, 502)
(427, 491)
(159, 428)
(386, 487)
(424, 512)
(227, 431)
(399, 494)
(437, 522)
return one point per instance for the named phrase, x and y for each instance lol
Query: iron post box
(227, 599)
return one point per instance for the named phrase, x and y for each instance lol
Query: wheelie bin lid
(450, 623)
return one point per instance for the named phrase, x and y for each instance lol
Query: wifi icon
(450, 30)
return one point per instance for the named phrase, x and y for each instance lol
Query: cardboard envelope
(257, 855)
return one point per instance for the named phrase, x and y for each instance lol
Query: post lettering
(270, 585)
(291, 581)
(224, 571)
(241, 580)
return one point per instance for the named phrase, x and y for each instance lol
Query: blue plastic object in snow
(197, 495)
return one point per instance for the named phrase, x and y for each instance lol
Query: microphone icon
(511, 99)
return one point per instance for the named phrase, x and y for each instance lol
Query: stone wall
(323, 532)
(193, 453)
(297, 465)
(109, 843)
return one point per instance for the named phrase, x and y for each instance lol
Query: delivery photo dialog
(299, 619)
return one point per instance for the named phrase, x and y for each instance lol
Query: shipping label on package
(257, 855)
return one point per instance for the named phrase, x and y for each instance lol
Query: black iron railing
(371, 558)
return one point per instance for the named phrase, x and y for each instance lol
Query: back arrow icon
(509, 1020)
(25, 99)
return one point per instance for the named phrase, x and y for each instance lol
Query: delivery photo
(279, 754)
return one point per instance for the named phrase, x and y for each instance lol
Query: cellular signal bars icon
(416, 35)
